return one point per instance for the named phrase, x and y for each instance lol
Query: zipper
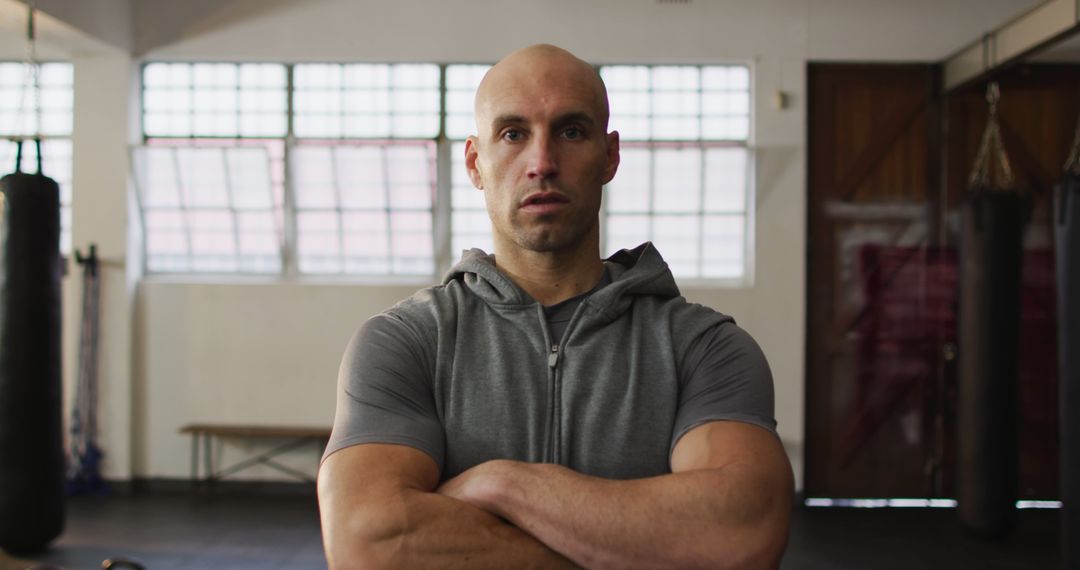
(553, 417)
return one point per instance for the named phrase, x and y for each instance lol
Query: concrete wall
(187, 350)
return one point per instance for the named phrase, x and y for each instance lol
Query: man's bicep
(357, 471)
(384, 392)
(724, 376)
(722, 443)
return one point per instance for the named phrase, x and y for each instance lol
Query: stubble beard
(550, 233)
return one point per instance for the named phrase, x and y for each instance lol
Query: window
(211, 178)
(470, 225)
(364, 202)
(341, 168)
(20, 106)
(684, 176)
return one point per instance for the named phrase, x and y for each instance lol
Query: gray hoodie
(466, 372)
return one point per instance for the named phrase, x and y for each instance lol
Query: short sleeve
(384, 391)
(724, 376)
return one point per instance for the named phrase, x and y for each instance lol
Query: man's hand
(479, 485)
(727, 504)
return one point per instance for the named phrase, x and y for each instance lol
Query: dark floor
(180, 531)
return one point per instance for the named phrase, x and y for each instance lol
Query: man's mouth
(544, 199)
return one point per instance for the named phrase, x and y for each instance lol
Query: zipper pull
(553, 356)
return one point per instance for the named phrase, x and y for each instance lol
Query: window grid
(208, 100)
(366, 101)
(19, 120)
(451, 92)
(684, 130)
(380, 191)
(254, 230)
(470, 225)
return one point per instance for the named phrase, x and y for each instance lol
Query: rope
(982, 176)
(84, 472)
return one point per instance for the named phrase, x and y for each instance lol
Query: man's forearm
(378, 510)
(686, 520)
(416, 529)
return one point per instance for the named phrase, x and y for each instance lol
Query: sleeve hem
(393, 439)
(767, 424)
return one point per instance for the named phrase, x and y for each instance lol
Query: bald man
(545, 408)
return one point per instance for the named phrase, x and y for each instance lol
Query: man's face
(542, 156)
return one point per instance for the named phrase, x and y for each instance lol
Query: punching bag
(31, 446)
(1068, 287)
(989, 343)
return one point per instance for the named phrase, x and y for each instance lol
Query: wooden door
(874, 365)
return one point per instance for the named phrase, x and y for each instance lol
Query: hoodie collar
(638, 271)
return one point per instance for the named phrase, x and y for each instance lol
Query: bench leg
(209, 459)
(194, 458)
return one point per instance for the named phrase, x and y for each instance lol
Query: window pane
(724, 247)
(366, 206)
(725, 179)
(630, 190)
(679, 103)
(674, 184)
(361, 174)
(679, 239)
(214, 99)
(209, 207)
(366, 100)
(312, 170)
(469, 222)
(678, 180)
(21, 105)
(461, 84)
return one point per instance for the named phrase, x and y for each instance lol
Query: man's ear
(471, 153)
(612, 156)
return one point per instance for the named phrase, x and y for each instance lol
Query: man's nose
(543, 163)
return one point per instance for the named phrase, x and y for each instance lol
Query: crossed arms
(726, 504)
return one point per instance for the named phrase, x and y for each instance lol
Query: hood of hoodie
(638, 271)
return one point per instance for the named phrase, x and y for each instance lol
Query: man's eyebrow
(571, 117)
(507, 120)
(575, 117)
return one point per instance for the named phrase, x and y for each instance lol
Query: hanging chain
(983, 173)
(32, 76)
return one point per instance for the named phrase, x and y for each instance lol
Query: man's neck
(549, 277)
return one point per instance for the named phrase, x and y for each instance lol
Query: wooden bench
(295, 437)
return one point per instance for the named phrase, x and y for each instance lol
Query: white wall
(268, 351)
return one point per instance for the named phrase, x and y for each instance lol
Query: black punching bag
(31, 445)
(1068, 268)
(990, 271)
(989, 344)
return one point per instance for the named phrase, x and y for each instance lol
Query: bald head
(530, 68)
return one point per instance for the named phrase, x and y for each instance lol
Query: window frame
(442, 206)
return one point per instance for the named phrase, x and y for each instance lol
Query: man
(544, 408)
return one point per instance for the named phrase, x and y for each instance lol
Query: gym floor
(239, 531)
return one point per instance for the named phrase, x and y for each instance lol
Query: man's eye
(512, 135)
(573, 133)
